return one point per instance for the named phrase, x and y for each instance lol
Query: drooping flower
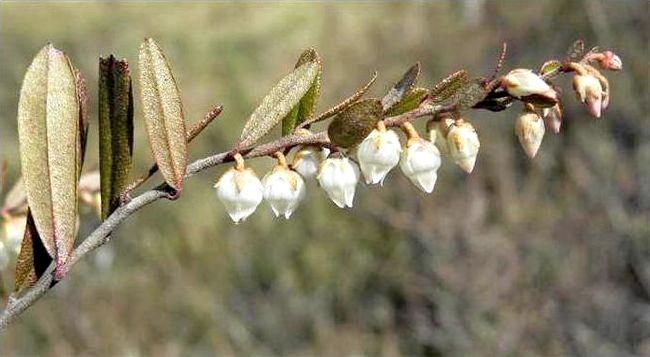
(529, 128)
(420, 163)
(378, 153)
(14, 229)
(589, 91)
(523, 83)
(463, 144)
(283, 190)
(307, 160)
(438, 133)
(553, 118)
(240, 191)
(339, 178)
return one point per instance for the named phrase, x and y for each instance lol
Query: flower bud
(420, 163)
(521, 83)
(339, 177)
(283, 190)
(240, 191)
(529, 128)
(611, 61)
(553, 118)
(463, 145)
(438, 133)
(378, 153)
(589, 91)
(307, 160)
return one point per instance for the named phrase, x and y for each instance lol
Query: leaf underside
(306, 108)
(282, 98)
(163, 113)
(115, 130)
(49, 129)
(445, 92)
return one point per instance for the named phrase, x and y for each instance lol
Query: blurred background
(543, 257)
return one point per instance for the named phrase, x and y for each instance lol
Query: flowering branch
(360, 126)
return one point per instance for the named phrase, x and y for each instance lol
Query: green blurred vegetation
(549, 257)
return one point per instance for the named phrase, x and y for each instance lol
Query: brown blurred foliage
(549, 257)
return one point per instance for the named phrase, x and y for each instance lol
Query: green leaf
(306, 108)
(549, 66)
(403, 86)
(32, 260)
(284, 96)
(115, 130)
(163, 113)
(445, 92)
(353, 124)
(410, 101)
(50, 142)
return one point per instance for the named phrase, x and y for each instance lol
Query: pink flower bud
(589, 91)
(611, 61)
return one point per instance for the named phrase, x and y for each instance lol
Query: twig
(191, 134)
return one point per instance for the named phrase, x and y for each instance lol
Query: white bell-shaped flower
(463, 145)
(529, 128)
(307, 160)
(339, 178)
(240, 191)
(378, 153)
(283, 190)
(420, 163)
(522, 82)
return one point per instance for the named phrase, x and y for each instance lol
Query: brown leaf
(115, 130)
(163, 113)
(445, 92)
(33, 258)
(353, 124)
(345, 103)
(50, 142)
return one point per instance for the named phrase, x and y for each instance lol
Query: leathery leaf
(115, 130)
(163, 113)
(284, 96)
(49, 130)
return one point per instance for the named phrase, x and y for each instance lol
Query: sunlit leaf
(163, 113)
(284, 96)
(353, 124)
(306, 108)
(115, 130)
(403, 86)
(50, 144)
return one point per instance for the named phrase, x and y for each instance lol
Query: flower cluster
(419, 159)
